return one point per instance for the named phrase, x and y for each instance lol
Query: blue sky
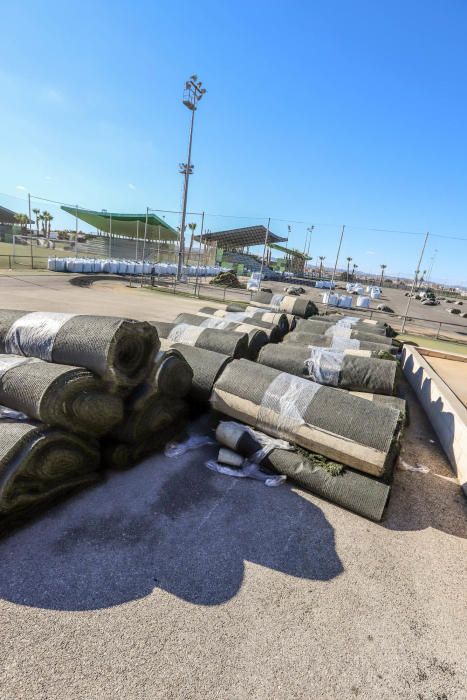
(327, 113)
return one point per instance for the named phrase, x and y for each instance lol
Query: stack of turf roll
(227, 342)
(360, 323)
(233, 322)
(81, 378)
(339, 368)
(154, 413)
(39, 464)
(327, 479)
(286, 321)
(297, 306)
(118, 350)
(329, 421)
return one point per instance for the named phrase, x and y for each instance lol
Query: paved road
(170, 581)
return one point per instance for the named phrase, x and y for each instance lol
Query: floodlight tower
(192, 94)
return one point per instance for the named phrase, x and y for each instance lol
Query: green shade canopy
(289, 251)
(128, 225)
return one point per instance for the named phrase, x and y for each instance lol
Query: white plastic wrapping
(35, 333)
(276, 301)
(215, 322)
(194, 442)
(267, 443)
(10, 414)
(324, 365)
(285, 402)
(249, 470)
(184, 333)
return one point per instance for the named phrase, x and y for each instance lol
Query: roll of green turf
(273, 334)
(59, 395)
(319, 327)
(206, 366)
(40, 464)
(356, 492)
(265, 320)
(327, 341)
(264, 314)
(119, 350)
(297, 306)
(344, 371)
(147, 413)
(322, 419)
(225, 342)
(171, 374)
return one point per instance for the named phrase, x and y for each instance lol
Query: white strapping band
(34, 334)
(184, 333)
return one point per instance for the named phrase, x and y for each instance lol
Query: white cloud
(21, 188)
(131, 186)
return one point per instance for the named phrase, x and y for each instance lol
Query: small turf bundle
(311, 471)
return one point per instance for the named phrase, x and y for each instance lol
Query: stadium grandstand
(126, 236)
(233, 249)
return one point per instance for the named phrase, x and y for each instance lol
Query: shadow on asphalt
(168, 523)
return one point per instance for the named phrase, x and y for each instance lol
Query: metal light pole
(191, 96)
(414, 283)
(335, 265)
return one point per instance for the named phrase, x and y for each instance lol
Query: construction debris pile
(311, 398)
(227, 278)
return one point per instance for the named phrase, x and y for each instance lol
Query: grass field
(434, 344)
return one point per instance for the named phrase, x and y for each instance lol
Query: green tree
(37, 213)
(192, 228)
(22, 220)
(383, 267)
(321, 257)
(349, 260)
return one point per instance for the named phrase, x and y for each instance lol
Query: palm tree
(192, 228)
(417, 272)
(354, 267)
(349, 260)
(37, 212)
(321, 257)
(46, 218)
(22, 220)
(383, 267)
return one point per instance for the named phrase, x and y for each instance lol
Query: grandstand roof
(7, 216)
(289, 251)
(128, 225)
(239, 237)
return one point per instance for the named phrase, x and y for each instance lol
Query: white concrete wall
(445, 411)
